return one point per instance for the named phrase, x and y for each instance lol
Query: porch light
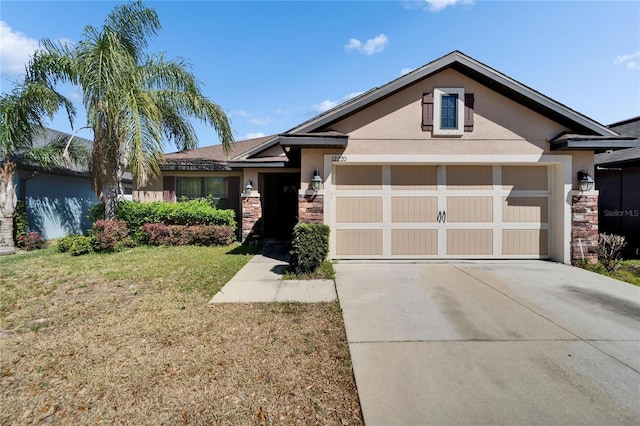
(316, 181)
(586, 181)
(248, 188)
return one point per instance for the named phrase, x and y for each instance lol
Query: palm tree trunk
(110, 195)
(8, 202)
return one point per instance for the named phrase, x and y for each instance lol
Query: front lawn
(628, 271)
(129, 338)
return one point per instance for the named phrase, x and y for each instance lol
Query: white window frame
(437, 111)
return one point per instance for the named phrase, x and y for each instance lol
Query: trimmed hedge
(180, 235)
(310, 246)
(194, 212)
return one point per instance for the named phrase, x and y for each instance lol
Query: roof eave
(314, 141)
(592, 144)
(257, 164)
(193, 165)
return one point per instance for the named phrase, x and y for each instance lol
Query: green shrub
(194, 212)
(96, 212)
(64, 244)
(20, 223)
(75, 245)
(310, 246)
(81, 245)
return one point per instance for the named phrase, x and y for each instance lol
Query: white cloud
(239, 113)
(254, 135)
(325, 106)
(434, 5)
(328, 104)
(628, 60)
(15, 49)
(258, 121)
(370, 47)
(405, 71)
(282, 112)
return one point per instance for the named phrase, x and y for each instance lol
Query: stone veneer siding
(251, 214)
(584, 228)
(311, 208)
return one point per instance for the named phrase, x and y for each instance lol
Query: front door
(280, 204)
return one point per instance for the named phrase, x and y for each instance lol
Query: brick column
(584, 228)
(311, 208)
(251, 218)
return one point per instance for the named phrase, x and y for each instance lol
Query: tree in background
(134, 102)
(21, 119)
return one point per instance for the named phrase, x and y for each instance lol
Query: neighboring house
(453, 160)
(57, 200)
(617, 177)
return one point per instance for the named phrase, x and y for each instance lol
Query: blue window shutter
(468, 112)
(427, 112)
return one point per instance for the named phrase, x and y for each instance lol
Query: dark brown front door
(280, 204)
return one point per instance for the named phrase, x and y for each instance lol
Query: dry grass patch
(125, 343)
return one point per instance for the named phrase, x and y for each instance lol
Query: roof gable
(475, 70)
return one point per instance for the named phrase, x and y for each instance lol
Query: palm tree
(21, 118)
(134, 102)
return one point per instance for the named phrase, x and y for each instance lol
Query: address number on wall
(339, 158)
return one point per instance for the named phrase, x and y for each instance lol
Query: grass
(324, 272)
(129, 338)
(627, 271)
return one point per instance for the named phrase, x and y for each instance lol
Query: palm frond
(51, 154)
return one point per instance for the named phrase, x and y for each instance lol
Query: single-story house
(453, 160)
(57, 200)
(617, 176)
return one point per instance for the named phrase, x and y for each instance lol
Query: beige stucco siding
(150, 192)
(501, 126)
(312, 160)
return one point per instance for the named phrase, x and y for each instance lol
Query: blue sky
(272, 65)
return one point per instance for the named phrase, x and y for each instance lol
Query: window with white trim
(448, 111)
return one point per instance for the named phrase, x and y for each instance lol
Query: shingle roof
(209, 157)
(630, 127)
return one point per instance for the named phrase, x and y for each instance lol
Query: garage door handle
(439, 217)
(444, 217)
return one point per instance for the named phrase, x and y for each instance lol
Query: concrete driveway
(513, 342)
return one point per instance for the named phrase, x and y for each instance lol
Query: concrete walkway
(260, 280)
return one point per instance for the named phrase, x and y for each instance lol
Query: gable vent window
(447, 112)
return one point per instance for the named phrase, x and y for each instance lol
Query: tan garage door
(455, 211)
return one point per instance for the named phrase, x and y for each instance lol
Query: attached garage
(399, 211)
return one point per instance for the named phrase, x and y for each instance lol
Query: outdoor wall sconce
(316, 181)
(585, 180)
(248, 188)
